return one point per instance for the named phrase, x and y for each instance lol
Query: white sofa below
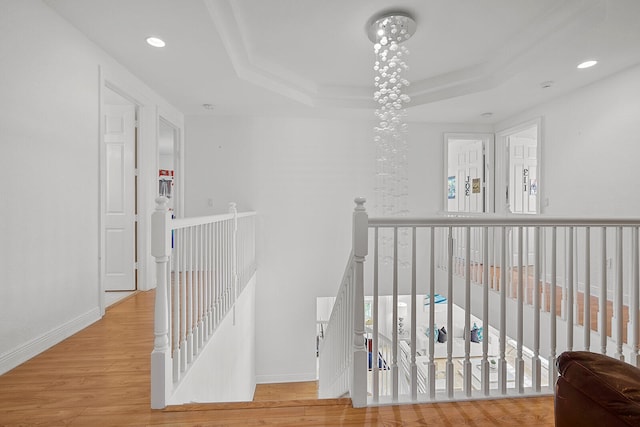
(456, 336)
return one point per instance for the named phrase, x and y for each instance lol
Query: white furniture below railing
(203, 264)
(536, 286)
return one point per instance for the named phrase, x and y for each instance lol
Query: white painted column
(161, 355)
(360, 250)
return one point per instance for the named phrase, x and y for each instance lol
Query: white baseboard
(19, 355)
(286, 378)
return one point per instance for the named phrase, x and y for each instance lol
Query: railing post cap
(162, 203)
(360, 201)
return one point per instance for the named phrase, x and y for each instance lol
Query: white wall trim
(286, 378)
(21, 354)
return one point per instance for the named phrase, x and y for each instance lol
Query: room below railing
(509, 295)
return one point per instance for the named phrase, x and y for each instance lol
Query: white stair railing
(203, 264)
(342, 353)
(536, 286)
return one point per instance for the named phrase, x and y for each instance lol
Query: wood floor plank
(100, 377)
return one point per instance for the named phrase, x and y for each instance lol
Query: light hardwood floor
(100, 377)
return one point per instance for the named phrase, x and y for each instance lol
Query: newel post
(360, 250)
(234, 256)
(161, 356)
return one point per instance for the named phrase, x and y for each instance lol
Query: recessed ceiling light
(487, 115)
(156, 42)
(587, 64)
(208, 106)
(546, 85)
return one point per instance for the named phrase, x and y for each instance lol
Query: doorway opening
(120, 188)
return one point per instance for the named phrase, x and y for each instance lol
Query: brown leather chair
(596, 390)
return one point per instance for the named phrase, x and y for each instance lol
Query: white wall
(49, 200)
(301, 176)
(225, 370)
(590, 148)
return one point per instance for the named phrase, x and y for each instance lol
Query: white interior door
(523, 174)
(119, 207)
(523, 185)
(466, 186)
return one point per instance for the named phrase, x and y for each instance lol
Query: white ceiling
(306, 57)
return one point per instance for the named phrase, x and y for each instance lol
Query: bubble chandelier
(391, 189)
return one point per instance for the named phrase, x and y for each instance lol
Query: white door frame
(146, 142)
(502, 164)
(150, 107)
(488, 142)
(179, 164)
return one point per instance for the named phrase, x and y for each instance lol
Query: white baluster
(234, 250)
(569, 297)
(394, 351)
(633, 305)
(176, 307)
(183, 302)
(209, 280)
(414, 367)
(161, 355)
(432, 308)
(535, 361)
(545, 269)
(467, 315)
(449, 363)
(619, 295)
(520, 325)
(502, 363)
(374, 349)
(485, 312)
(197, 289)
(602, 313)
(553, 370)
(190, 344)
(587, 289)
(218, 284)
